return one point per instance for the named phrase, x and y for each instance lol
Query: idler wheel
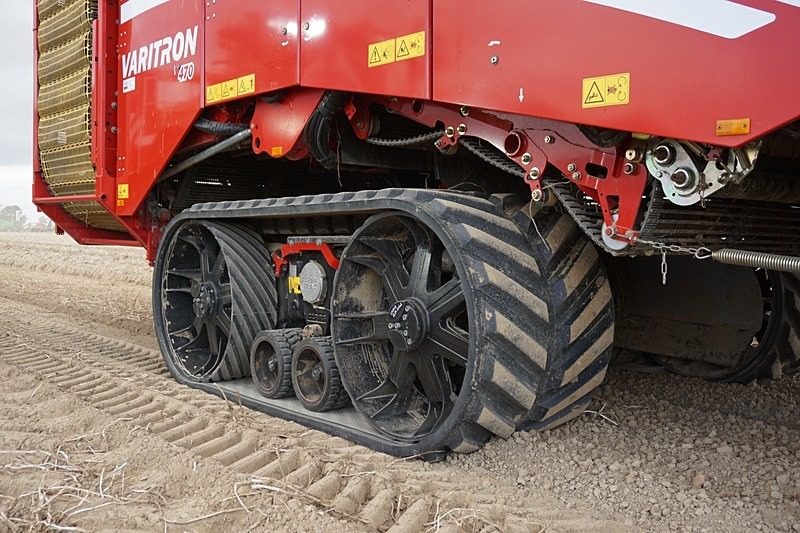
(315, 377)
(271, 361)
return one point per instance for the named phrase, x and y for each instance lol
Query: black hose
(318, 130)
(221, 129)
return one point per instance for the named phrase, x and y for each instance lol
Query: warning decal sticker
(606, 91)
(410, 46)
(397, 49)
(381, 53)
(230, 89)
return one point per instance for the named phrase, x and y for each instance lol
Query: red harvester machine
(419, 224)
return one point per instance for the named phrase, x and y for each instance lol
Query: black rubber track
(254, 296)
(546, 323)
(788, 346)
(283, 342)
(582, 328)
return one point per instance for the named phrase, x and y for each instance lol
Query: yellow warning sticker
(247, 84)
(213, 93)
(410, 46)
(123, 192)
(294, 285)
(381, 53)
(397, 49)
(230, 89)
(606, 90)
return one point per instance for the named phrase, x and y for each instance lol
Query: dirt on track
(95, 435)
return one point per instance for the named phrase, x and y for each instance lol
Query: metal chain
(698, 253)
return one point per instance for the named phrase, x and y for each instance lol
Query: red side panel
(250, 41)
(161, 89)
(366, 46)
(718, 61)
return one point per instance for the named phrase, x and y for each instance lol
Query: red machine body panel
(161, 90)
(368, 47)
(722, 73)
(683, 80)
(250, 47)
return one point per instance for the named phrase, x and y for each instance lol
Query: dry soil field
(95, 435)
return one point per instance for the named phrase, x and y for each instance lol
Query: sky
(16, 105)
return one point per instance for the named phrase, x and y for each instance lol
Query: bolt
(307, 26)
(409, 342)
(462, 129)
(391, 325)
(629, 168)
(407, 309)
(610, 232)
(534, 173)
(405, 333)
(113, 105)
(284, 31)
(576, 176)
(465, 111)
(536, 195)
(526, 158)
(495, 60)
(548, 139)
(632, 155)
(405, 317)
(572, 167)
(450, 131)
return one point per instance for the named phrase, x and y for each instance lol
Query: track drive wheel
(213, 292)
(271, 361)
(315, 377)
(442, 325)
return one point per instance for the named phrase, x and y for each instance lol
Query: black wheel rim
(196, 301)
(401, 327)
(310, 376)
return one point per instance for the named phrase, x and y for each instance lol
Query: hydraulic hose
(222, 129)
(318, 130)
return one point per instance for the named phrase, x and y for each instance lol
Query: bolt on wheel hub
(204, 301)
(407, 324)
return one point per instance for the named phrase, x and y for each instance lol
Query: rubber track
(511, 329)
(103, 377)
(253, 292)
(788, 347)
(583, 316)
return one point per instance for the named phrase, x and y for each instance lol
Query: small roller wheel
(271, 361)
(315, 377)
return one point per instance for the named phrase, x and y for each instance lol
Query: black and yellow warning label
(397, 49)
(230, 89)
(606, 90)
(381, 53)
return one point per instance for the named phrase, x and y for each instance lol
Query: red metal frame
(280, 257)
(474, 58)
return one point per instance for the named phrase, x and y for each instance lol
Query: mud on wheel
(442, 325)
(213, 291)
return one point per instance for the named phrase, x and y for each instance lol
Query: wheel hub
(408, 325)
(204, 300)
